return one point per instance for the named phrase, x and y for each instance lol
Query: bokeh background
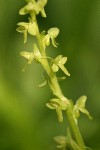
(25, 121)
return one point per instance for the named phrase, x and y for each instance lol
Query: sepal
(28, 56)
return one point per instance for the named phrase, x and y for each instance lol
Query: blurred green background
(25, 122)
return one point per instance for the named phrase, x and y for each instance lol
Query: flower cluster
(60, 103)
(33, 8)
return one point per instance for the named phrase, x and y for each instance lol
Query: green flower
(66, 142)
(29, 56)
(25, 28)
(52, 34)
(59, 62)
(34, 8)
(58, 105)
(80, 107)
(45, 40)
(61, 141)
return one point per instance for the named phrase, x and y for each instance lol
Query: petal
(64, 70)
(41, 4)
(27, 55)
(54, 68)
(63, 60)
(60, 140)
(49, 105)
(42, 84)
(20, 29)
(54, 43)
(83, 110)
(23, 24)
(56, 102)
(43, 14)
(57, 59)
(81, 101)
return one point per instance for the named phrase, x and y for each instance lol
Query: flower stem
(55, 87)
(75, 129)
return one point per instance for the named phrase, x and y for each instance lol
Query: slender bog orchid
(51, 66)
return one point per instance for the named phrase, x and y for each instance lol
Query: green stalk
(58, 92)
(75, 129)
